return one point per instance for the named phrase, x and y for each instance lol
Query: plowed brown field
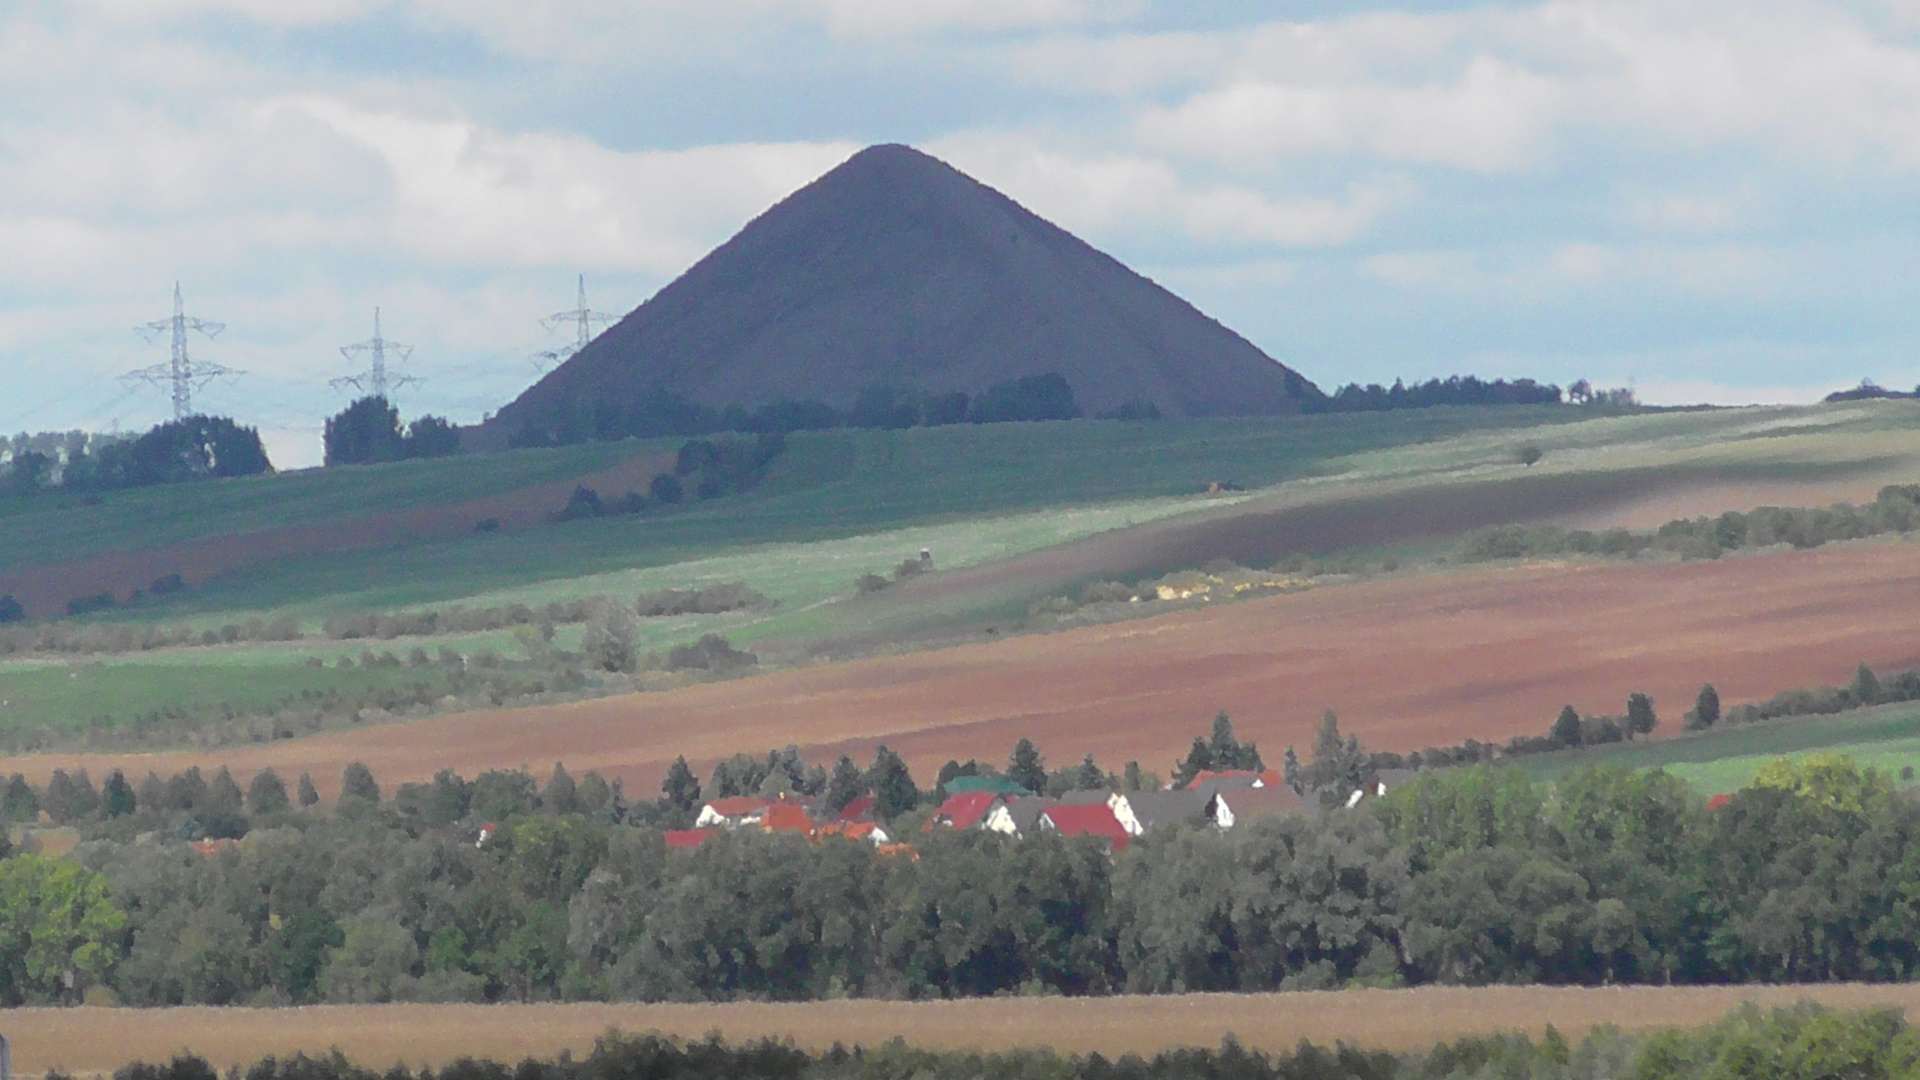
(1408, 663)
(100, 1040)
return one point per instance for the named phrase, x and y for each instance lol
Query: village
(1221, 799)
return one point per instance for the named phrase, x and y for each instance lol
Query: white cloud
(1492, 118)
(876, 18)
(1115, 194)
(468, 195)
(1707, 270)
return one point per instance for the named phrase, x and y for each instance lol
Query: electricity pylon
(584, 320)
(184, 373)
(376, 379)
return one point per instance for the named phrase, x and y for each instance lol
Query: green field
(1886, 737)
(835, 506)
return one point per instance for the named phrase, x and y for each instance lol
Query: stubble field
(97, 1041)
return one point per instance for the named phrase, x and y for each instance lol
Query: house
(1219, 778)
(1016, 817)
(786, 817)
(855, 830)
(215, 845)
(732, 812)
(860, 809)
(1086, 821)
(1141, 812)
(1385, 780)
(687, 839)
(1231, 806)
(963, 811)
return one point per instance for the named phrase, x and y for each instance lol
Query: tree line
(1456, 390)
(657, 411)
(1894, 510)
(1802, 1043)
(505, 889)
(178, 451)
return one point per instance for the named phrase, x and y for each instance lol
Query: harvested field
(100, 1040)
(1409, 663)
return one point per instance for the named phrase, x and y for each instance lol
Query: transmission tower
(376, 379)
(184, 373)
(584, 320)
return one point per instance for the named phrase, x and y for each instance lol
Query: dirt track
(1486, 653)
(42, 590)
(100, 1040)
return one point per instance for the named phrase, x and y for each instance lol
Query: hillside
(1017, 516)
(896, 268)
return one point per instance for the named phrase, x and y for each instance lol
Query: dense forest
(1805, 1043)
(505, 889)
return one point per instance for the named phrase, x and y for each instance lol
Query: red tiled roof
(856, 810)
(963, 811)
(1718, 801)
(738, 805)
(209, 847)
(852, 830)
(1097, 820)
(786, 817)
(687, 838)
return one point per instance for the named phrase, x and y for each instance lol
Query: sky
(1707, 200)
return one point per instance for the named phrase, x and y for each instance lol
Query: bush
(10, 610)
(713, 600)
(711, 653)
(83, 605)
(583, 503)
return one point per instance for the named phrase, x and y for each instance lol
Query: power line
(376, 380)
(584, 320)
(182, 371)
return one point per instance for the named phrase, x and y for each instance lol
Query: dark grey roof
(1025, 812)
(1393, 778)
(1153, 809)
